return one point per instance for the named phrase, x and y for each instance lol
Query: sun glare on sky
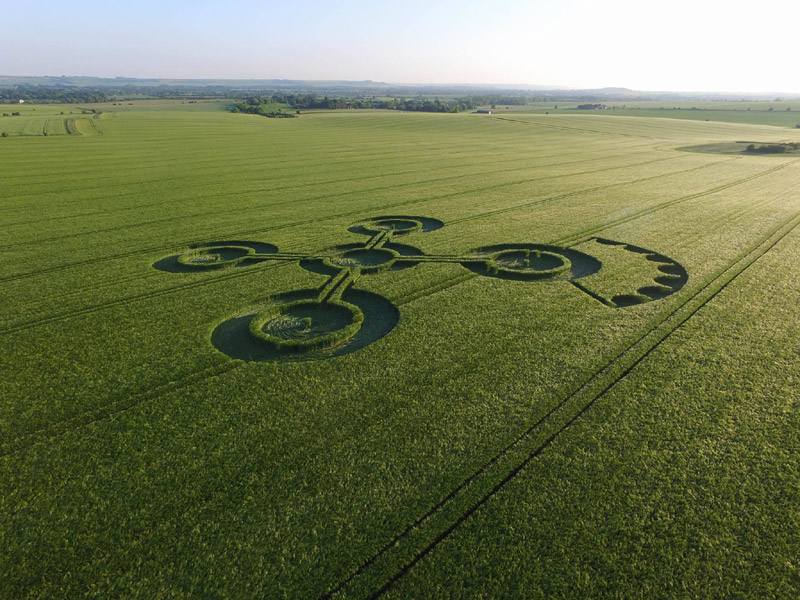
(700, 45)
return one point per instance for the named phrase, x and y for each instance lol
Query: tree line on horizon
(265, 105)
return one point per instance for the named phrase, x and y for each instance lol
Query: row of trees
(265, 105)
(47, 94)
(773, 148)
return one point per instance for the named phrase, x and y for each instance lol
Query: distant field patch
(751, 148)
(47, 125)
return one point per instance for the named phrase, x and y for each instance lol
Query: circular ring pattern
(523, 263)
(214, 256)
(368, 260)
(395, 225)
(305, 325)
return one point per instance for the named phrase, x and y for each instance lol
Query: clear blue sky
(710, 45)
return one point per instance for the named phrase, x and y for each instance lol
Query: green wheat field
(365, 354)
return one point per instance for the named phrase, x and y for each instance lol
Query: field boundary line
(592, 389)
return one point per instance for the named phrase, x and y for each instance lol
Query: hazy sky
(708, 45)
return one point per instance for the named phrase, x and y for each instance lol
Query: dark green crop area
(521, 356)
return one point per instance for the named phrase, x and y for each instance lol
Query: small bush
(5, 134)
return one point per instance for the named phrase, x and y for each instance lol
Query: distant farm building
(21, 101)
(484, 111)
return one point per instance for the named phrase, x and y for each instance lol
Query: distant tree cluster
(261, 106)
(70, 94)
(264, 105)
(46, 94)
(591, 106)
(773, 148)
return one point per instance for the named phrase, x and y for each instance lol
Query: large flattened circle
(396, 225)
(367, 260)
(523, 263)
(234, 338)
(531, 262)
(216, 255)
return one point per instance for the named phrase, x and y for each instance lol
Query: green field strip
(582, 191)
(384, 207)
(294, 161)
(530, 444)
(275, 188)
(242, 166)
(379, 240)
(656, 126)
(78, 421)
(70, 126)
(585, 234)
(88, 127)
(137, 298)
(262, 189)
(271, 190)
(439, 258)
(566, 128)
(54, 127)
(159, 160)
(167, 162)
(397, 186)
(95, 171)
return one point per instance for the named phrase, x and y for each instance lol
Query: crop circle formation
(336, 319)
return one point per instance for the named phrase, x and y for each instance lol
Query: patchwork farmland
(382, 354)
